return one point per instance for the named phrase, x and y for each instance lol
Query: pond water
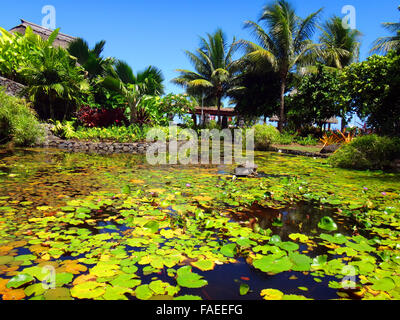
(114, 227)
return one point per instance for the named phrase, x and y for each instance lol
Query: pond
(88, 226)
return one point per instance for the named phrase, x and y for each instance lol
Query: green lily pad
(36, 289)
(152, 226)
(244, 289)
(229, 250)
(204, 265)
(20, 280)
(187, 278)
(327, 224)
(338, 238)
(143, 292)
(88, 290)
(58, 294)
(273, 264)
(126, 281)
(116, 293)
(384, 284)
(301, 262)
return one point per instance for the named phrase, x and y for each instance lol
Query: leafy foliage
(372, 89)
(18, 122)
(367, 152)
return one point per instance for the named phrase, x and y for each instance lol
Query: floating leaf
(143, 292)
(244, 289)
(328, 224)
(229, 250)
(384, 284)
(19, 281)
(58, 294)
(272, 294)
(189, 279)
(152, 226)
(204, 265)
(273, 264)
(88, 290)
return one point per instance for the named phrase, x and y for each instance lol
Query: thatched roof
(62, 40)
(332, 120)
(213, 111)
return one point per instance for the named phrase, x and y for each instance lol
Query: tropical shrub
(101, 118)
(55, 83)
(132, 133)
(18, 122)
(373, 88)
(307, 141)
(367, 152)
(15, 49)
(264, 136)
(285, 138)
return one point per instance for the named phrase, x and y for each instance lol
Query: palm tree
(214, 69)
(339, 46)
(52, 75)
(135, 87)
(285, 46)
(91, 59)
(386, 44)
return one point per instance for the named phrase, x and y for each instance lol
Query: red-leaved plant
(95, 118)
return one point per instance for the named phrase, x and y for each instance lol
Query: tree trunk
(132, 106)
(344, 123)
(51, 106)
(282, 108)
(219, 111)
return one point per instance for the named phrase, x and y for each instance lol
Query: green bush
(367, 152)
(18, 122)
(307, 141)
(264, 136)
(284, 138)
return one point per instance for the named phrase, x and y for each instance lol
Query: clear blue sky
(156, 32)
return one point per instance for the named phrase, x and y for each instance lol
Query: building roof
(62, 40)
(213, 111)
(332, 120)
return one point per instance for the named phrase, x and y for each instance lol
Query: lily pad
(327, 224)
(58, 294)
(187, 278)
(20, 280)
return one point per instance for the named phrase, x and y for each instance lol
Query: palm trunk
(51, 106)
(282, 108)
(132, 106)
(219, 110)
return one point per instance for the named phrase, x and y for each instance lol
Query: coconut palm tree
(386, 44)
(285, 44)
(214, 68)
(134, 87)
(53, 76)
(339, 46)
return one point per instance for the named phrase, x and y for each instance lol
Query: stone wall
(12, 88)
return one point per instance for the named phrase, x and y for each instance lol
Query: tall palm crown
(285, 45)
(214, 68)
(386, 44)
(339, 46)
(90, 59)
